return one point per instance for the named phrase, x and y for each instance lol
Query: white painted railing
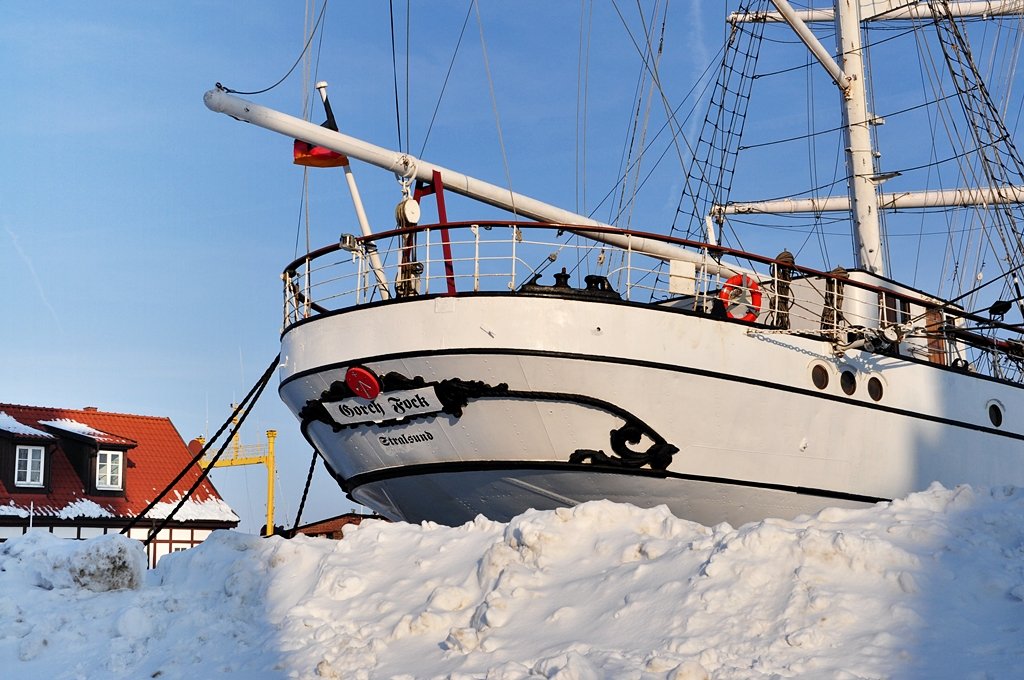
(524, 259)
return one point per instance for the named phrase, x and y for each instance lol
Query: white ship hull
(755, 436)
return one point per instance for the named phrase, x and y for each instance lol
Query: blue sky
(142, 235)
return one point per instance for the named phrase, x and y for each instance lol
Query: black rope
(305, 493)
(448, 75)
(408, 32)
(195, 459)
(260, 385)
(837, 129)
(666, 125)
(247, 403)
(1005, 275)
(297, 61)
(394, 71)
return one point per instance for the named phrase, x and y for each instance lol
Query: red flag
(314, 156)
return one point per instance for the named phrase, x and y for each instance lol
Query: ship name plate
(387, 406)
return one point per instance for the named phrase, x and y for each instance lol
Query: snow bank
(930, 586)
(41, 560)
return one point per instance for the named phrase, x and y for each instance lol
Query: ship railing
(851, 309)
(482, 257)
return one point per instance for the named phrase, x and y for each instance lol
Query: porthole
(995, 413)
(819, 376)
(875, 388)
(848, 381)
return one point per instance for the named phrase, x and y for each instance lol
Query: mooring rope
(305, 493)
(247, 403)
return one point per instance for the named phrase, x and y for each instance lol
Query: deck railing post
(476, 257)
(515, 240)
(426, 267)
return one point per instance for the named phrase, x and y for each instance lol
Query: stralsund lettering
(405, 439)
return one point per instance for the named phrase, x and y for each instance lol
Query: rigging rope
(650, 58)
(996, 154)
(714, 159)
(826, 131)
(671, 122)
(444, 85)
(297, 61)
(494, 105)
(668, 125)
(582, 103)
(247, 403)
(408, 30)
(817, 228)
(394, 71)
(309, 75)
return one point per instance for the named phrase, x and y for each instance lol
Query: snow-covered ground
(926, 587)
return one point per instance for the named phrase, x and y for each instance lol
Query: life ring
(741, 292)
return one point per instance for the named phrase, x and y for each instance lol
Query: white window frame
(114, 468)
(27, 476)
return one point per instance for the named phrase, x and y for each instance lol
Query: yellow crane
(252, 454)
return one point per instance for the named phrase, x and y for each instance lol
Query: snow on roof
(12, 510)
(75, 427)
(9, 424)
(212, 509)
(83, 508)
(69, 425)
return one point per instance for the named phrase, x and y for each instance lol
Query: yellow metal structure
(252, 454)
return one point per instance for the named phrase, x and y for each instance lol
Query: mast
(848, 75)
(850, 79)
(860, 154)
(895, 9)
(1008, 194)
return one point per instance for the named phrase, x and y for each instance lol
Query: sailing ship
(454, 369)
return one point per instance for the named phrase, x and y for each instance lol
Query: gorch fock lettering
(401, 405)
(350, 410)
(391, 406)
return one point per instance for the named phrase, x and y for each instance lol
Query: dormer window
(28, 466)
(108, 470)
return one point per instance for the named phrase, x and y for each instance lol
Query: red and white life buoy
(740, 293)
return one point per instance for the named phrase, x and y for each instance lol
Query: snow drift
(929, 586)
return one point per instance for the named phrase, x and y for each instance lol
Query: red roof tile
(157, 453)
(333, 525)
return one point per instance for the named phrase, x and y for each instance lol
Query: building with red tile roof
(82, 473)
(332, 527)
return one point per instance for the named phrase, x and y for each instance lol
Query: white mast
(848, 75)
(864, 201)
(904, 200)
(860, 155)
